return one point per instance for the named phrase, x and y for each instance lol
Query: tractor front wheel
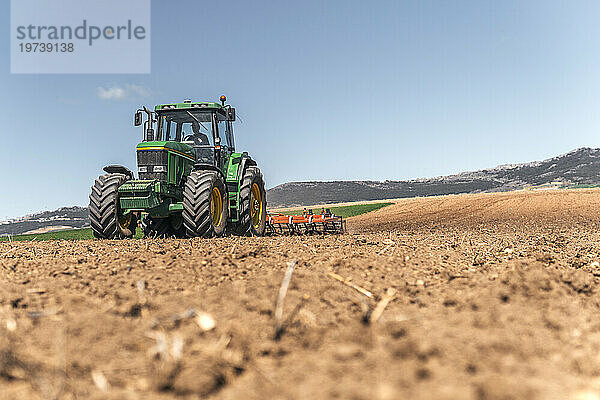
(253, 204)
(205, 204)
(105, 217)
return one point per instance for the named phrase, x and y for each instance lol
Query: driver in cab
(199, 138)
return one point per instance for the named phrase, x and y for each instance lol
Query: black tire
(104, 209)
(199, 204)
(177, 226)
(246, 225)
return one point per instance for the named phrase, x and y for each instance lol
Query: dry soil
(490, 297)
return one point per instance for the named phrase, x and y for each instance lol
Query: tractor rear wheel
(205, 204)
(253, 204)
(105, 217)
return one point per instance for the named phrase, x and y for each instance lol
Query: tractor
(191, 181)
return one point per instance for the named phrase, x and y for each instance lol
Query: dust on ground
(490, 297)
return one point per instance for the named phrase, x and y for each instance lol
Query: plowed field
(490, 296)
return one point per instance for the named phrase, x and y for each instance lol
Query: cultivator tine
(279, 224)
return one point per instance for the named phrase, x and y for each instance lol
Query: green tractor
(191, 181)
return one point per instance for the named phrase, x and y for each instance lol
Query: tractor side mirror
(231, 114)
(137, 120)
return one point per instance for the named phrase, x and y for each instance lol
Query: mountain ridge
(577, 167)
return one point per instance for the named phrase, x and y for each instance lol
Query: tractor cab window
(167, 130)
(223, 133)
(230, 136)
(193, 127)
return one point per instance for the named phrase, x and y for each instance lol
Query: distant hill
(63, 218)
(578, 167)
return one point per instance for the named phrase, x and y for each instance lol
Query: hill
(578, 167)
(47, 221)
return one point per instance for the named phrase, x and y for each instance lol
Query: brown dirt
(47, 229)
(496, 298)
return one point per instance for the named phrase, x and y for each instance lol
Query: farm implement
(305, 224)
(191, 182)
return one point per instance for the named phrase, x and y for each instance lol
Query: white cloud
(126, 92)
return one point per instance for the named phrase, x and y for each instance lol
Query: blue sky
(326, 90)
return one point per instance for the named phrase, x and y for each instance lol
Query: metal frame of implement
(304, 224)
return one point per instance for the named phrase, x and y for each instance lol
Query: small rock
(595, 264)
(100, 380)
(205, 321)
(11, 325)
(420, 282)
(508, 250)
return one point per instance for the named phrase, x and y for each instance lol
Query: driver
(199, 138)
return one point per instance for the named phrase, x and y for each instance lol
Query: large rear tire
(105, 218)
(253, 204)
(205, 204)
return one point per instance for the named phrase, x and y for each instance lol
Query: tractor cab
(204, 126)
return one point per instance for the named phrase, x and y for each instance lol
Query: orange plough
(305, 224)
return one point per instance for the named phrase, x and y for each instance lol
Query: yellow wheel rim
(216, 206)
(256, 205)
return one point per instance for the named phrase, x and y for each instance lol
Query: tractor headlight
(142, 169)
(159, 168)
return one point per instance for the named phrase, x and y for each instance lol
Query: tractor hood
(181, 149)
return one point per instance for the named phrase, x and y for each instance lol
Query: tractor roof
(186, 105)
